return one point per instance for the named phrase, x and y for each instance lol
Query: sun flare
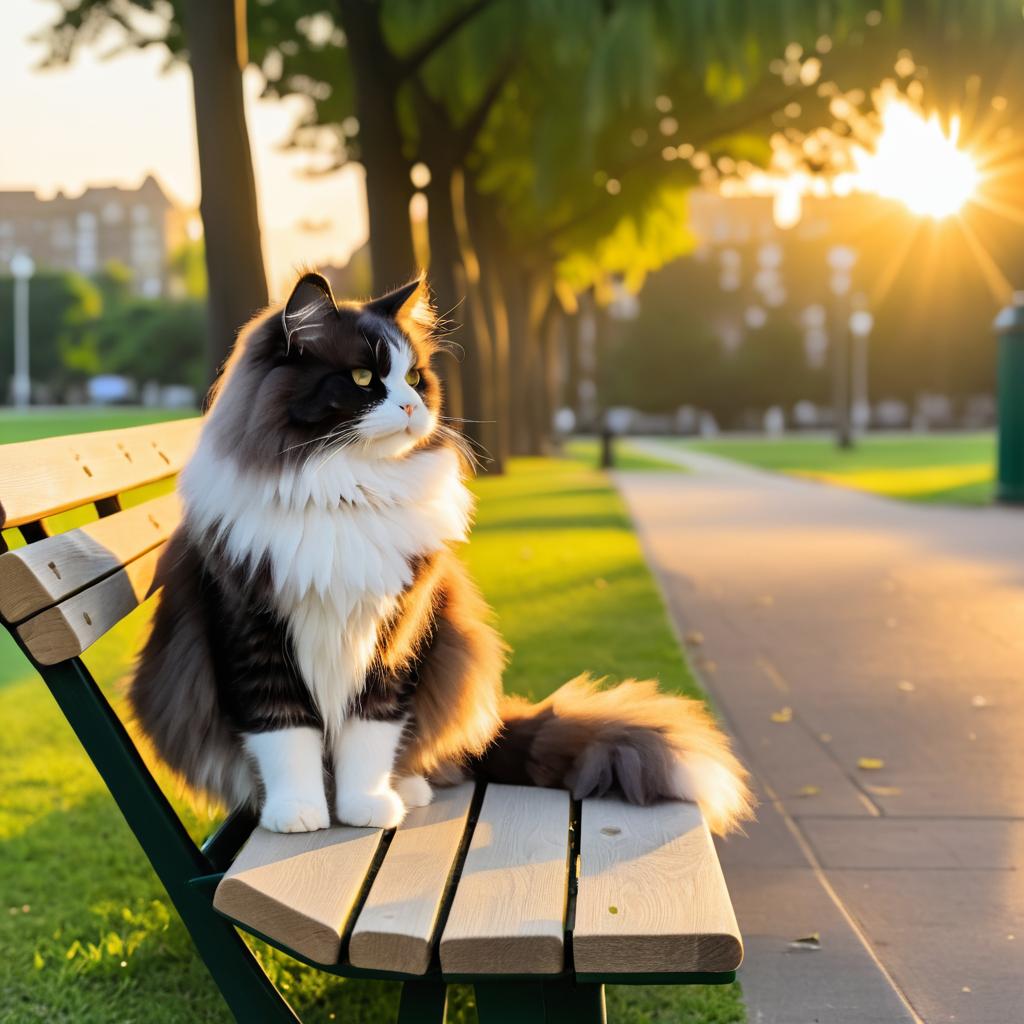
(917, 163)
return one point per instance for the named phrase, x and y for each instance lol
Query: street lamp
(861, 322)
(22, 269)
(841, 260)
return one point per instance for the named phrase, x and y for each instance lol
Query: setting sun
(917, 163)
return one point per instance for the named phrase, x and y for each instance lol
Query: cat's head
(317, 376)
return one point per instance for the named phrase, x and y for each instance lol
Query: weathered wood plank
(67, 629)
(651, 896)
(299, 889)
(397, 923)
(41, 574)
(508, 915)
(41, 478)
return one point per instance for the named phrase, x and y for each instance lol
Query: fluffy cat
(318, 647)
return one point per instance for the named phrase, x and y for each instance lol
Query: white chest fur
(339, 536)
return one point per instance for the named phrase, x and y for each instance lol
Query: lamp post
(1009, 327)
(22, 269)
(841, 260)
(861, 322)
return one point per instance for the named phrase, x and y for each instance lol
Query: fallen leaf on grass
(870, 764)
(808, 944)
(782, 716)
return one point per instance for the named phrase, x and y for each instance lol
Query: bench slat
(299, 889)
(67, 629)
(508, 915)
(41, 478)
(40, 574)
(398, 920)
(651, 895)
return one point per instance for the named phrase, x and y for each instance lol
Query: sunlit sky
(102, 122)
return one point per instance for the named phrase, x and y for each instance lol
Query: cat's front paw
(414, 790)
(383, 809)
(294, 814)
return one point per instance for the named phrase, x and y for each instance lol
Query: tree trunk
(551, 370)
(381, 150)
(478, 391)
(215, 36)
(492, 299)
(514, 284)
(539, 300)
(444, 258)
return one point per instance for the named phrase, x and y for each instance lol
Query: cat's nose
(409, 409)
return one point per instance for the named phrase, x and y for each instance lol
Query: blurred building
(138, 228)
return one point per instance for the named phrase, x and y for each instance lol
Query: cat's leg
(364, 759)
(290, 763)
(414, 790)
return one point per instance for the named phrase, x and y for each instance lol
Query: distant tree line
(82, 326)
(674, 352)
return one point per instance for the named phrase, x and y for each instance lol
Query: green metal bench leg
(175, 858)
(423, 1002)
(510, 1002)
(569, 1002)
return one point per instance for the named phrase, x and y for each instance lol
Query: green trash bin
(1009, 325)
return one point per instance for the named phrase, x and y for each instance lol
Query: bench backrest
(62, 591)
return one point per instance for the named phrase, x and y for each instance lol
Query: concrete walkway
(836, 626)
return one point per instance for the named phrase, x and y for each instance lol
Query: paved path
(889, 631)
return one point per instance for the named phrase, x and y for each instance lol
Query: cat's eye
(412, 378)
(362, 376)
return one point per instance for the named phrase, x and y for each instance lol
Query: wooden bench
(534, 898)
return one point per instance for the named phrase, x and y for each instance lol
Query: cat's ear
(409, 306)
(309, 308)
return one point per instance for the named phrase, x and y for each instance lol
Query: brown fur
(627, 738)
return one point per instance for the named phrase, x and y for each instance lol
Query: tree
(213, 38)
(215, 35)
(154, 340)
(62, 307)
(556, 134)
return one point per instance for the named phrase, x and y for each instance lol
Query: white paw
(383, 809)
(414, 790)
(295, 814)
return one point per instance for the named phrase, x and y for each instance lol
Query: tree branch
(468, 131)
(423, 51)
(744, 119)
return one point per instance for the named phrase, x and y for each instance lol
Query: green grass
(51, 422)
(86, 932)
(958, 468)
(627, 457)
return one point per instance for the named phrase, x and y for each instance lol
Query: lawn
(87, 934)
(627, 457)
(51, 422)
(958, 468)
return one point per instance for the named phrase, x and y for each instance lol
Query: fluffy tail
(632, 738)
